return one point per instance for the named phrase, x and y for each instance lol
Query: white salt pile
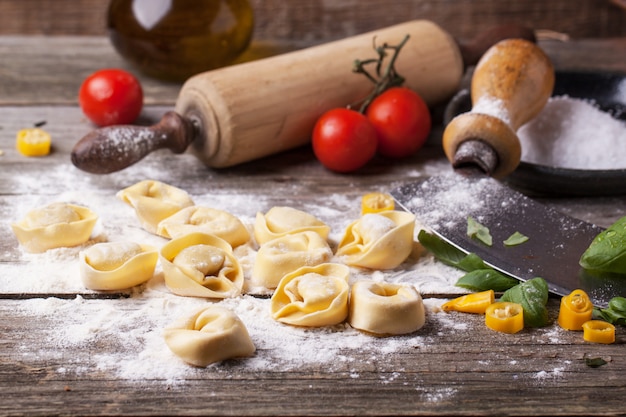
(576, 134)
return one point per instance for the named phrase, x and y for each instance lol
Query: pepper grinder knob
(512, 82)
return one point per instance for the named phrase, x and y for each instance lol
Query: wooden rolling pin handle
(511, 84)
(113, 148)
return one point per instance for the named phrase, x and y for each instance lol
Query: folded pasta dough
(378, 241)
(211, 335)
(206, 220)
(280, 221)
(385, 309)
(201, 265)
(312, 296)
(53, 226)
(154, 201)
(117, 265)
(285, 254)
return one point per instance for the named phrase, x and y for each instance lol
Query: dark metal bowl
(608, 91)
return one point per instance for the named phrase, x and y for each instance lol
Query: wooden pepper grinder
(511, 84)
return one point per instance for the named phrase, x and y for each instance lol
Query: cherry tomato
(401, 119)
(344, 140)
(111, 97)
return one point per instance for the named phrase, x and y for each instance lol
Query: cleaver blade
(443, 203)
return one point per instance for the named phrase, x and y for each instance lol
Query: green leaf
(615, 313)
(471, 262)
(449, 254)
(515, 239)
(607, 252)
(618, 304)
(478, 231)
(486, 279)
(595, 362)
(533, 296)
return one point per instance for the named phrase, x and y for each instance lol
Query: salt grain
(574, 133)
(492, 106)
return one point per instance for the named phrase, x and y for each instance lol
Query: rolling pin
(247, 111)
(511, 84)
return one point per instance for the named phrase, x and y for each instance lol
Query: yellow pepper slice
(505, 317)
(576, 309)
(33, 142)
(376, 202)
(471, 303)
(598, 331)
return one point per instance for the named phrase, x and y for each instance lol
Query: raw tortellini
(201, 265)
(117, 265)
(207, 220)
(211, 335)
(281, 221)
(53, 226)
(154, 201)
(312, 296)
(285, 254)
(378, 241)
(385, 309)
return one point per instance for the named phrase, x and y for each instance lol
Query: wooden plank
(29, 78)
(103, 354)
(319, 21)
(26, 79)
(455, 366)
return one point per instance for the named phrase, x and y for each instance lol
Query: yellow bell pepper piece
(505, 317)
(376, 202)
(598, 331)
(471, 303)
(576, 308)
(33, 142)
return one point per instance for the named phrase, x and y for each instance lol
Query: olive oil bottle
(174, 39)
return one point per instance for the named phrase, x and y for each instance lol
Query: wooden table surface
(60, 352)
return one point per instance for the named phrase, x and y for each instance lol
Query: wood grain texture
(459, 368)
(26, 78)
(460, 372)
(318, 20)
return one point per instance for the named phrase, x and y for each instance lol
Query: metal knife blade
(556, 241)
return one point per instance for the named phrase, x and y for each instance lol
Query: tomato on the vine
(402, 121)
(111, 97)
(344, 140)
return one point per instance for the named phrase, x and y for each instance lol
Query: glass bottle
(175, 39)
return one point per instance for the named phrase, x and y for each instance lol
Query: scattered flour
(123, 336)
(554, 373)
(492, 107)
(134, 348)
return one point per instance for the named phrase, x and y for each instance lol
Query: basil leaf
(595, 362)
(607, 252)
(471, 262)
(515, 239)
(486, 279)
(449, 254)
(478, 231)
(533, 296)
(615, 313)
(618, 304)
